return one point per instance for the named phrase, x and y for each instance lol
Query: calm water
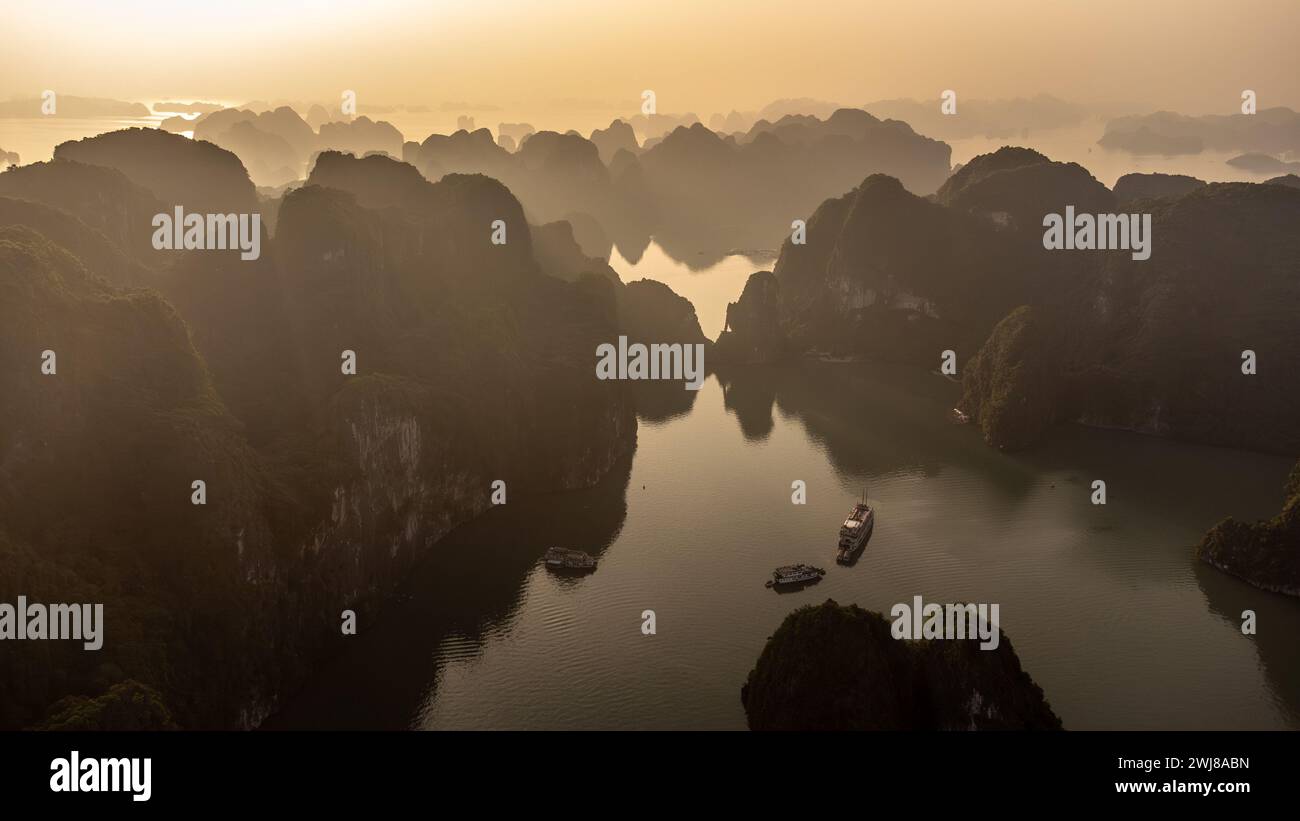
(708, 289)
(1106, 605)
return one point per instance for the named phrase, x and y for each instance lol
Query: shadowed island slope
(833, 667)
(1154, 346)
(1161, 346)
(323, 505)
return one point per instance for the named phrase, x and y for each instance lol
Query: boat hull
(792, 580)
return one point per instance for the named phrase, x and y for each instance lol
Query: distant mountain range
(67, 105)
(1019, 118)
(1268, 131)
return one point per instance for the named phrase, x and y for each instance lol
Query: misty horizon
(421, 365)
(520, 58)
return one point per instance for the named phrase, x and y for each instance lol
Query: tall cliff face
(1152, 345)
(323, 488)
(1157, 346)
(650, 311)
(454, 339)
(893, 275)
(753, 332)
(430, 233)
(560, 254)
(1013, 387)
(96, 464)
(829, 667)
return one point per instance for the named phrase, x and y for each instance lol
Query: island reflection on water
(1107, 607)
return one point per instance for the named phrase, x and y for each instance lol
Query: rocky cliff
(323, 487)
(889, 274)
(753, 332)
(1153, 345)
(1165, 346)
(1013, 387)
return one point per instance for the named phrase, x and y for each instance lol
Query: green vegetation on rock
(128, 706)
(1011, 387)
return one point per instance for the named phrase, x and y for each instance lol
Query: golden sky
(703, 56)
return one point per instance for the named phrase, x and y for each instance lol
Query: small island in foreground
(1265, 554)
(835, 667)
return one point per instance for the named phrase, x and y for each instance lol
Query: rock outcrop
(830, 667)
(1269, 131)
(618, 137)
(197, 175)
(889, 274)
(1134, 187)
(1012, 387)
(560, 255)
(753, 332)
(1266, 554)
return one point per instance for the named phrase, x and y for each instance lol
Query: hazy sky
(697, 55)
